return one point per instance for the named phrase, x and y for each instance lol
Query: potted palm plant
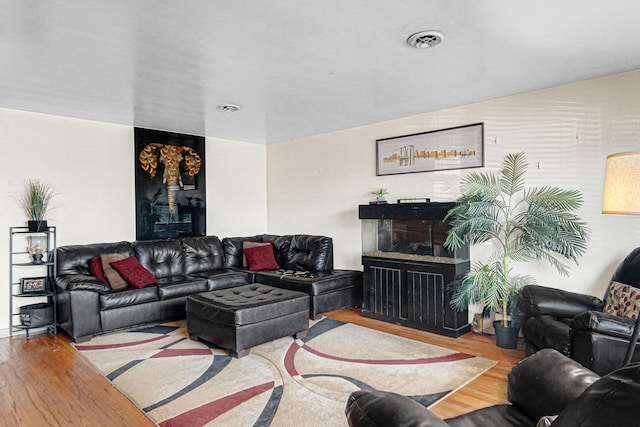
(35, 202)
(524, 225)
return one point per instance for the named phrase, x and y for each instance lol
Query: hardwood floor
(44, 382)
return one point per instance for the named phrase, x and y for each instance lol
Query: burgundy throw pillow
(249, 244)
(261, 258)
(115, 280)
(95, 266)
(134, 273)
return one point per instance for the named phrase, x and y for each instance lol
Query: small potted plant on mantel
(380, 193)
(35, 202)
(524, 224)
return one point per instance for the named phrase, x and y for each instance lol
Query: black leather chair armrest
(381, 408)
(603, 323)
(537, 300)
(81, 282)
(546, 382)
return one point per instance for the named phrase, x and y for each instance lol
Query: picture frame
(170, 184)
(33, 285)
(459, 147)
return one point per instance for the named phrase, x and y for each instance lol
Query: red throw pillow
(249, 244)
(134, 273)
(95, 266)
(261, 258)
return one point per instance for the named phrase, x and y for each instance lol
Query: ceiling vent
(425, 39)
(229, 108)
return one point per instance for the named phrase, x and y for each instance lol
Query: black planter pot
(506, 336)
(37, 226)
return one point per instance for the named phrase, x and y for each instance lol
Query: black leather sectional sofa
(88, 306)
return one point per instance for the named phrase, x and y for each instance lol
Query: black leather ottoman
(241, 317)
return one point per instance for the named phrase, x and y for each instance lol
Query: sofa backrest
(191, 255)
(292, 252)
(202, 254)
(628, 272)
(310, 253)
(162, 257)
(74, 259)
(232, 247)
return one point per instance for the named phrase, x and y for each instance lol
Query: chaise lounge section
(307, 266)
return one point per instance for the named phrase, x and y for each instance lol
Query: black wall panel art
(170, 185)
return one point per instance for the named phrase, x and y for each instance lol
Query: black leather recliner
(575, 325)
(546, 384)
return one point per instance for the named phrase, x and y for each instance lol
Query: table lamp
(622, 197)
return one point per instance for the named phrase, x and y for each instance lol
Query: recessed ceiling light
(230, 108)
(425, 39)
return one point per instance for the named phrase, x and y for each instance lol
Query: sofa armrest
(381, 408)
(603, 323)
(538, 300)
(81, 282)
(546, 382)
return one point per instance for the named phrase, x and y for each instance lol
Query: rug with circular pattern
(287, 382)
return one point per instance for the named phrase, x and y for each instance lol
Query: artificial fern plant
(525, 224)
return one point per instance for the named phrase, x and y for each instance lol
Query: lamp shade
(622, 184)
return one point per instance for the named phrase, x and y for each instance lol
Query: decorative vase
(506, 336)
(38, 226)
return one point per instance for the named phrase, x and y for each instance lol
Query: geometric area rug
(305, 382)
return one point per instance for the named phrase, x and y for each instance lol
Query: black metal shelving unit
(22, 265)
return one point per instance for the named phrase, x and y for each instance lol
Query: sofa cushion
(180, 286)
(163, 258)
(261, 258)
(127, 297)
(202, 254)
(134, 273)
(225, 279)
(95, 266)
(313, 283)
(116, 281)
(310, 253)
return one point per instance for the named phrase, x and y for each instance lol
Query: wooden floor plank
(45, 382)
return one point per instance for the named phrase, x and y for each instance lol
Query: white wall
(91, 166)
(315, 184)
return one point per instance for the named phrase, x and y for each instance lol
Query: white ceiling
(297, 67)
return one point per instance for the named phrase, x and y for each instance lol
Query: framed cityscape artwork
(170, 184)
(453, 148)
